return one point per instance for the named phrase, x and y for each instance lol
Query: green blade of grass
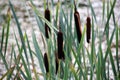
(117, 59)
(39, 54)
(101, 60)
(31, 56)
(7, 32)
(66, 69)
(11, 54)
(40, 24)
(92, 9)
(113, 65)
(22, 41)
(92, 51)
(74, 72)
(3, 59)
(57, 12)
(77, 55)
(111, 57)
(9, 71)
(107, 51)
(17, 59)
(2, 41)
(103, 9)
(109, 16)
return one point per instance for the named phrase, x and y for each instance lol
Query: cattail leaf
(109, 16)
(117, 56)
(22, 41)
(103, 10)
(3, 59)
(10, 71)
(38, 54)
(7, 32)
(93, 12)
(32, 60)
(40, 24)
(2, 41)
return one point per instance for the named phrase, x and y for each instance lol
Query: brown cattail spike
(78, 25)
(47, 29)
(88, 25)
(46, 63)
(60, 45)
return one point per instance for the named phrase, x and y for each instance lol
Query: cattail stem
(60, 45)
(46, 63)
(88, 31)
(75, 6)
(47, 29)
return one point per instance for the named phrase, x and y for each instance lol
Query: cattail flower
(60, 45)
(77, 24)
(47, 29)
(46, 63)
(56, 62)
(88, 31)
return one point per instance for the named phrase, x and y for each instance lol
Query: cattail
(88, 25)
(46, 63)
(77, 24)
(47, 29)
(56, 62)
(60, 45)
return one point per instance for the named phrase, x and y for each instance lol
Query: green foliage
(81, 62)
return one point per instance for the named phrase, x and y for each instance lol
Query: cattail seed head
(60, 45)
(88, 31)
(47, 29)
(46, 63)
(78, 25)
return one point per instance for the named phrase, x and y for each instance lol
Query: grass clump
(66, 54)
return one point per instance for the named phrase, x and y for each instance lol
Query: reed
(81, 61)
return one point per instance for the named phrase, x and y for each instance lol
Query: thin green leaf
(22, 41)
(39, 54)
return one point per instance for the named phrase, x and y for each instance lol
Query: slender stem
(75, 6)
(47, 4)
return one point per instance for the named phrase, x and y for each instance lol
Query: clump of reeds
(88, 31)
(77, 23)
(94, 63)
